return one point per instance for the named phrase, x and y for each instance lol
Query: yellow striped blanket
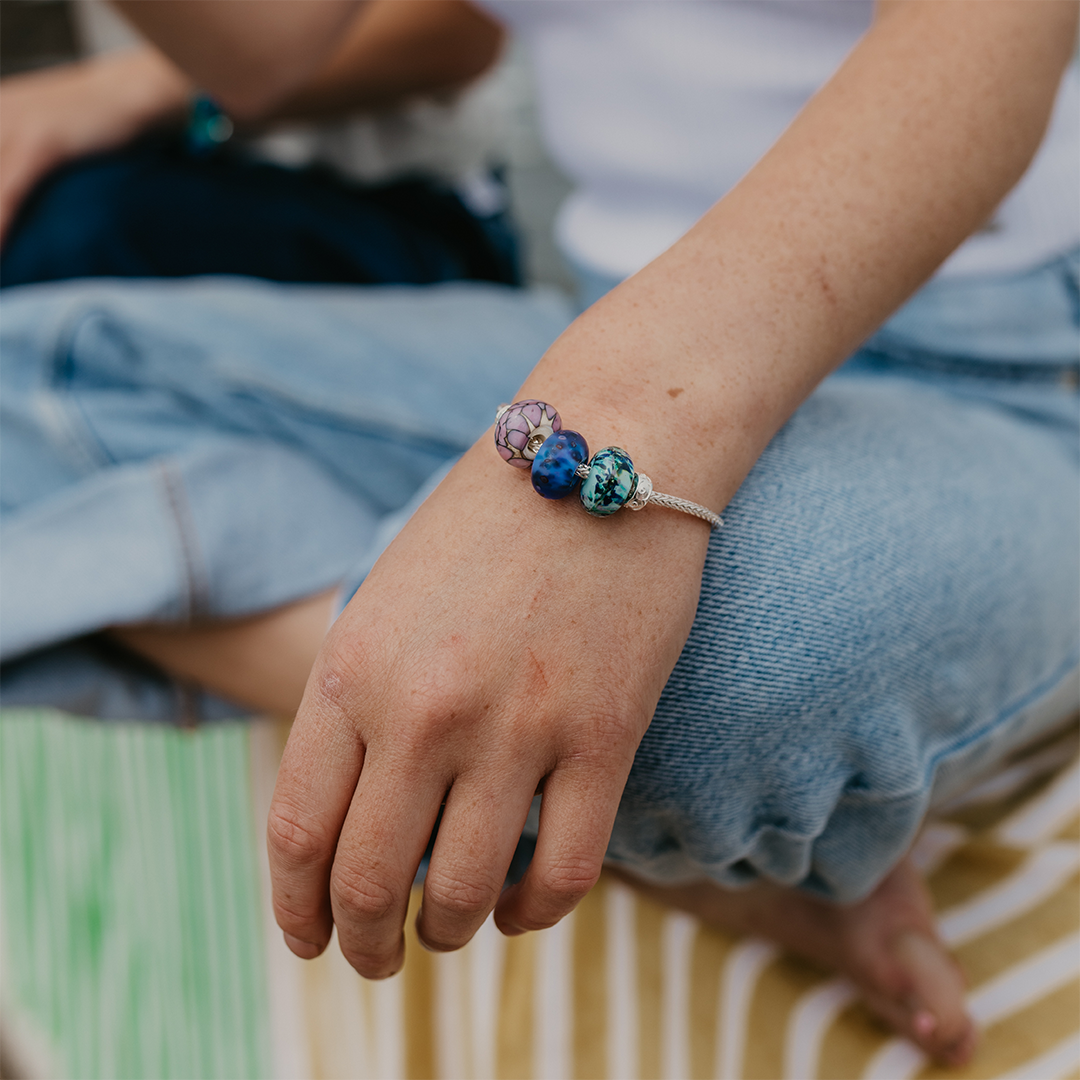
(137, 942)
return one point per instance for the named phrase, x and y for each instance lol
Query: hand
(62, 113)
(502, 644)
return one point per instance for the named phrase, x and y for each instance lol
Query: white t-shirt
(656, 108)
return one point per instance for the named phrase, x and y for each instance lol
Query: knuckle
(458, 899)
(292, 840)
(565, 883)
(361, 897)
(294, 920)
(430, 721)
(421, 730)
(336, 678)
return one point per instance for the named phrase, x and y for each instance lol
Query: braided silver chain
(646, 496)
(685, 506)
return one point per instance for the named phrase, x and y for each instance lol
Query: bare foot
(886, 944)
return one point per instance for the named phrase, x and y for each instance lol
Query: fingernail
(509, 930)
(306, 950)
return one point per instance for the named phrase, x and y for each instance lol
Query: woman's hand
(502, 643)
(54, 116)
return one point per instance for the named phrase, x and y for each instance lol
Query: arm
(395, 51)
(57, 115)
(251, 57)
(392, 52)
(302, 60)
(491, 651)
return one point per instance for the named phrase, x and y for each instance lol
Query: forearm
(250, 56)
(395, 51)
(388, 53)
(695, 362)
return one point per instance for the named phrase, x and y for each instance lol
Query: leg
(872, 624)
(262, 661)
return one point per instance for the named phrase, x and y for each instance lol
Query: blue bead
(611, 482)
(556, 462)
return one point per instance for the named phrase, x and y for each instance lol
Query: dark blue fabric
(154, 210)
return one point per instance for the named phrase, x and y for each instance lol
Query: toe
(937, 1018)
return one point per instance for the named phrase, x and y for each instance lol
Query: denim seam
(370, 424)
(196, 584)
(74, 434)
(1042, 689)
(61, 422)
(892, 350)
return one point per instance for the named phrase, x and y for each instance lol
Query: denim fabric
(891, 608)
(220, 446)
(1027, 319)
(892, 600)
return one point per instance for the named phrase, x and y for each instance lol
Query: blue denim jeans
(155, 209)
(891, 608)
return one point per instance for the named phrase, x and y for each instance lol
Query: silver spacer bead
(582, 470)
(642, 494)
(499, 411)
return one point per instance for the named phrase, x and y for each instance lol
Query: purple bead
(522, 428)
(554, 471)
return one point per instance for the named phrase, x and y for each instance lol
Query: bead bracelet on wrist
(529, 435)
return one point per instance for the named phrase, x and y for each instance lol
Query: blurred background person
(379, 169)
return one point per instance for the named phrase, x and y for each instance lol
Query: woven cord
(685, 506)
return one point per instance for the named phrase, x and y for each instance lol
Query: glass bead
(522, 429)
(611, 482)
(554, 470)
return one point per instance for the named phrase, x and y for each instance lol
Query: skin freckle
(675, 391)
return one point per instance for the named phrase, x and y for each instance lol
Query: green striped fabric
(131, 920)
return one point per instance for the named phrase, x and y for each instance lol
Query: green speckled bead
(611, 482)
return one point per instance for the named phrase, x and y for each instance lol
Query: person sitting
(831, 255)
(98, 178)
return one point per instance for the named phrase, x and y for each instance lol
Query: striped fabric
(137, 942)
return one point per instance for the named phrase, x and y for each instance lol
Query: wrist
(669, 402)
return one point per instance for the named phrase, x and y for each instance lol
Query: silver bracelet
(529, 435)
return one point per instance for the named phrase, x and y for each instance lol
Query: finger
(385, 834)
(576, 816)
(480, 829)
(315, 786)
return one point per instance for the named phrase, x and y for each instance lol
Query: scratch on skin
(675, 391)
(538, 668)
